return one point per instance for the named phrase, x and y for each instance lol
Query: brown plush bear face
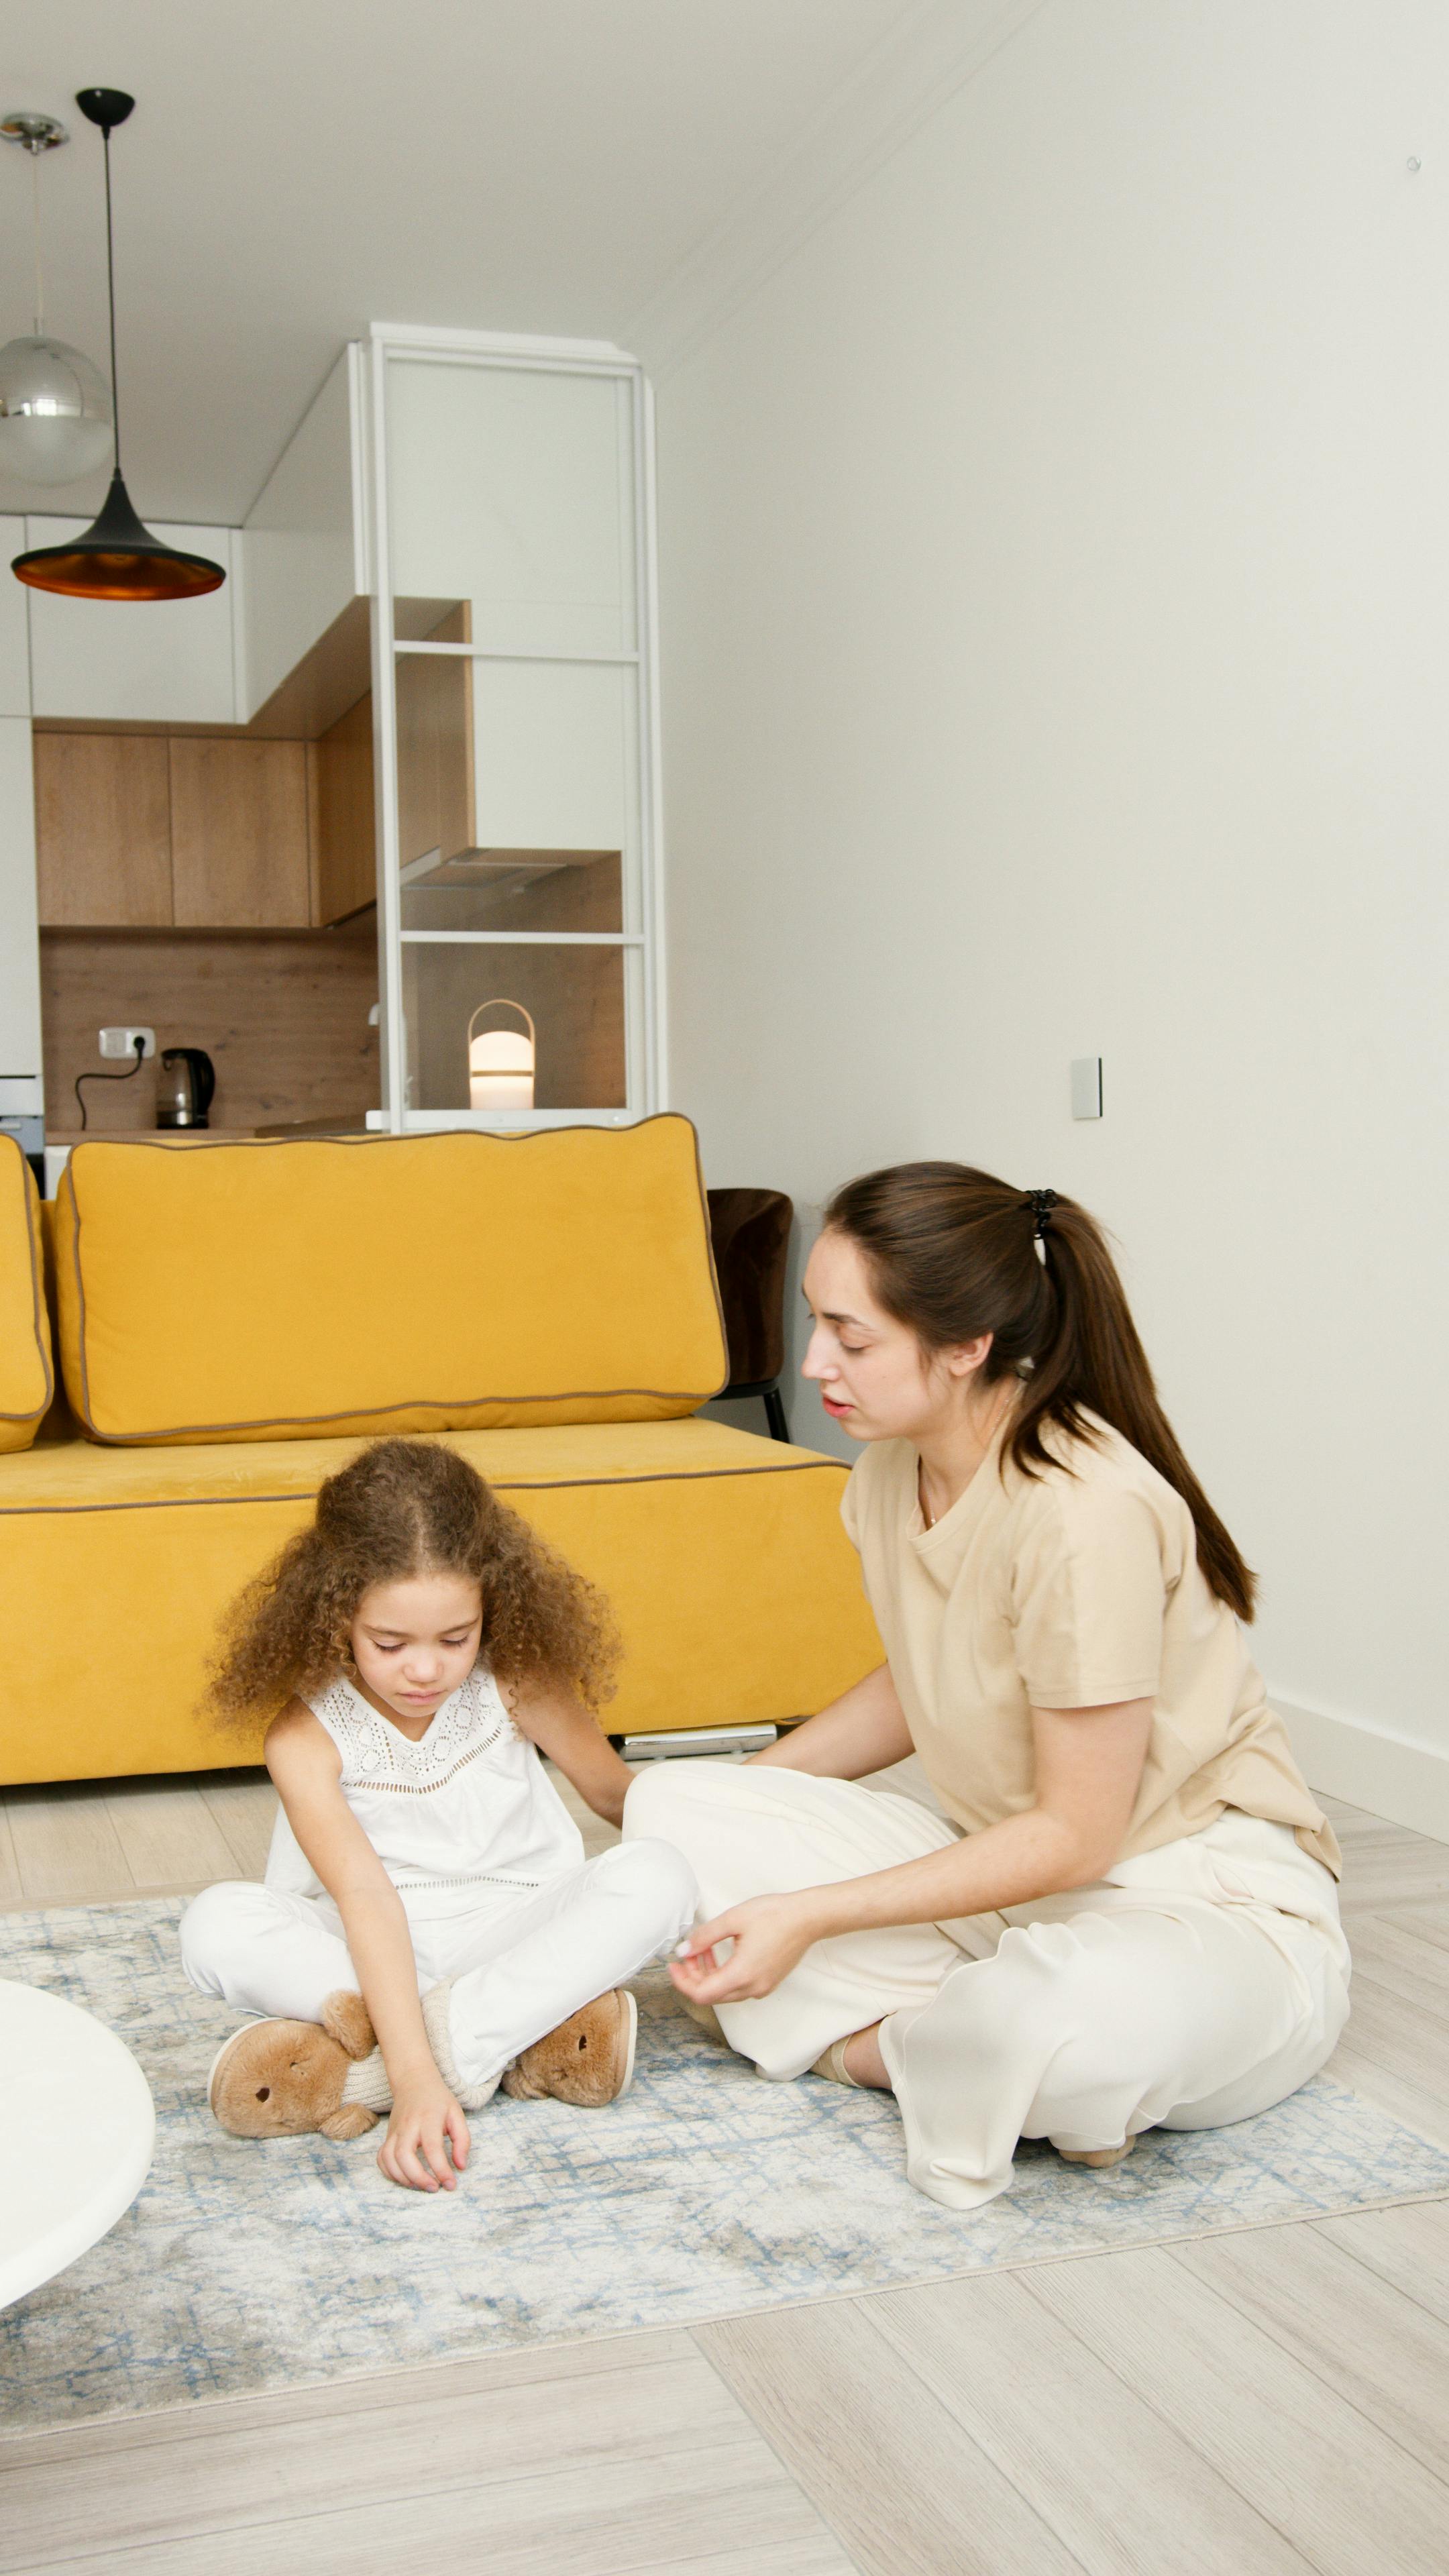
(283, 2079)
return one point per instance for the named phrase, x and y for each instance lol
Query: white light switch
(1087, 1086)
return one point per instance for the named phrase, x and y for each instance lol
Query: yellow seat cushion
(736, 1591)
(26, 1380)
(297, 1288)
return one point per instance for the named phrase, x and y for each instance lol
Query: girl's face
(414, 1642)
(873, 1376)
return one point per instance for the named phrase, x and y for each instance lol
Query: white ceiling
(298, 168)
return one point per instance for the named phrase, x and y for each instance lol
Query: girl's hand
(425, 2121)
(771, 1934)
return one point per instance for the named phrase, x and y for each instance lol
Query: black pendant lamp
(117, 558)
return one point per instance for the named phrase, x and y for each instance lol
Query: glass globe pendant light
(55, 409)
(117, 558)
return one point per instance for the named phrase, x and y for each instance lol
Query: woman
(1126, 1915)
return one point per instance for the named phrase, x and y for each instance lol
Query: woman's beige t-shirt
(1076, 1588)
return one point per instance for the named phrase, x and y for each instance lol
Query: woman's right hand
(425, 2121)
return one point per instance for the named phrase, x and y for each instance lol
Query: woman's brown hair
(405, 1508)
(953, 1253)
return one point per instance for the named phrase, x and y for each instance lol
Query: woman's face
(414, 1642)
(873, 1377)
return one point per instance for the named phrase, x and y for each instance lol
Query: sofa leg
(775, 1414)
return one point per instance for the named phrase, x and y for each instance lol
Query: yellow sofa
(234, 1319)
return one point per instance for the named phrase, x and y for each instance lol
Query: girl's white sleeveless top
(463, 1820)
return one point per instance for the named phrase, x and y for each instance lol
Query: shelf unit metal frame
(644, 1049)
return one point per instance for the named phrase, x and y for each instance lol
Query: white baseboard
(1390, 1775)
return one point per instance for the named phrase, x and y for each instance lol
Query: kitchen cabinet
(239, 842)
(103, 830)
(136, 661)
(191, 831)
(344, 833)
(303, 544)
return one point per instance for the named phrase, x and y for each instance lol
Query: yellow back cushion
(416, 1283)
(26, 1382)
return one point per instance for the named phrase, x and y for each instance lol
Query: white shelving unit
(511, 523)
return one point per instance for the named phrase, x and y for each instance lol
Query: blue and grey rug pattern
(245, 2267)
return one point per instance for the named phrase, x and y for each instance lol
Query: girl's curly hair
(405, 1508)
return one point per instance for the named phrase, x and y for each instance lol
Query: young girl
(424, 1875)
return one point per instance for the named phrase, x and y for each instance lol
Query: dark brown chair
(751, 1234)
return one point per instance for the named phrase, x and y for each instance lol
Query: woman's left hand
(770, 1935)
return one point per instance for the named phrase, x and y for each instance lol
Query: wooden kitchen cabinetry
(203, 831)
(102, 831)
(344, 855)
(239, 842)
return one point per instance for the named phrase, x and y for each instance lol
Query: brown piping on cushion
(37, 1296)
(724, 1337)
(219, 1140)
(317, 1422)
(499, 1484)
(67, 1183)
(399, 1404)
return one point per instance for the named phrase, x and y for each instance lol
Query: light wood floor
(1240, 2406)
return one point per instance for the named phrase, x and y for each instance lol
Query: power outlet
(121, 1043)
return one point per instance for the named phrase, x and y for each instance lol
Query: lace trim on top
(378, 1756)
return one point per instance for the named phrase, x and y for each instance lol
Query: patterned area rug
(704, 2193)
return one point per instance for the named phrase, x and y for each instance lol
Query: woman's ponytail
(954, 1253)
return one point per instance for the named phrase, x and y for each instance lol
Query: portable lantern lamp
(501, 1061)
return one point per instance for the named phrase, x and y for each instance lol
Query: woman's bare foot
(863, 2061)
(855, 2060)
(1098, 2157)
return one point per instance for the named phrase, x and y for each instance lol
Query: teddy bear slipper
(288, 2079)
(588, 2060)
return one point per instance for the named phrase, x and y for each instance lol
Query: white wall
(155, 661)
(1056, 598)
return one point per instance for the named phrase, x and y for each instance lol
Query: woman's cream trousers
(1194, 1985)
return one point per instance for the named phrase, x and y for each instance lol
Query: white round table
(76, 2134)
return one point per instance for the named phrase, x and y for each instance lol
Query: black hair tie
(1041, 1203)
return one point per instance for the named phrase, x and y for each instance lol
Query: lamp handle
(501, 1002)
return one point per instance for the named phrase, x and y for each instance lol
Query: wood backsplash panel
(102, 829)
(283, 1018)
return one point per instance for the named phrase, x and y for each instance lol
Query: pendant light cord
(111, 287)
(39, 289)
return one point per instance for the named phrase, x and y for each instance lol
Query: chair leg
(775, 1414)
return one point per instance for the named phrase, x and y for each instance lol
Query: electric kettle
(185, 1084)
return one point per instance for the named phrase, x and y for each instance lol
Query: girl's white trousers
(520, 1964)
(1194, 1985)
